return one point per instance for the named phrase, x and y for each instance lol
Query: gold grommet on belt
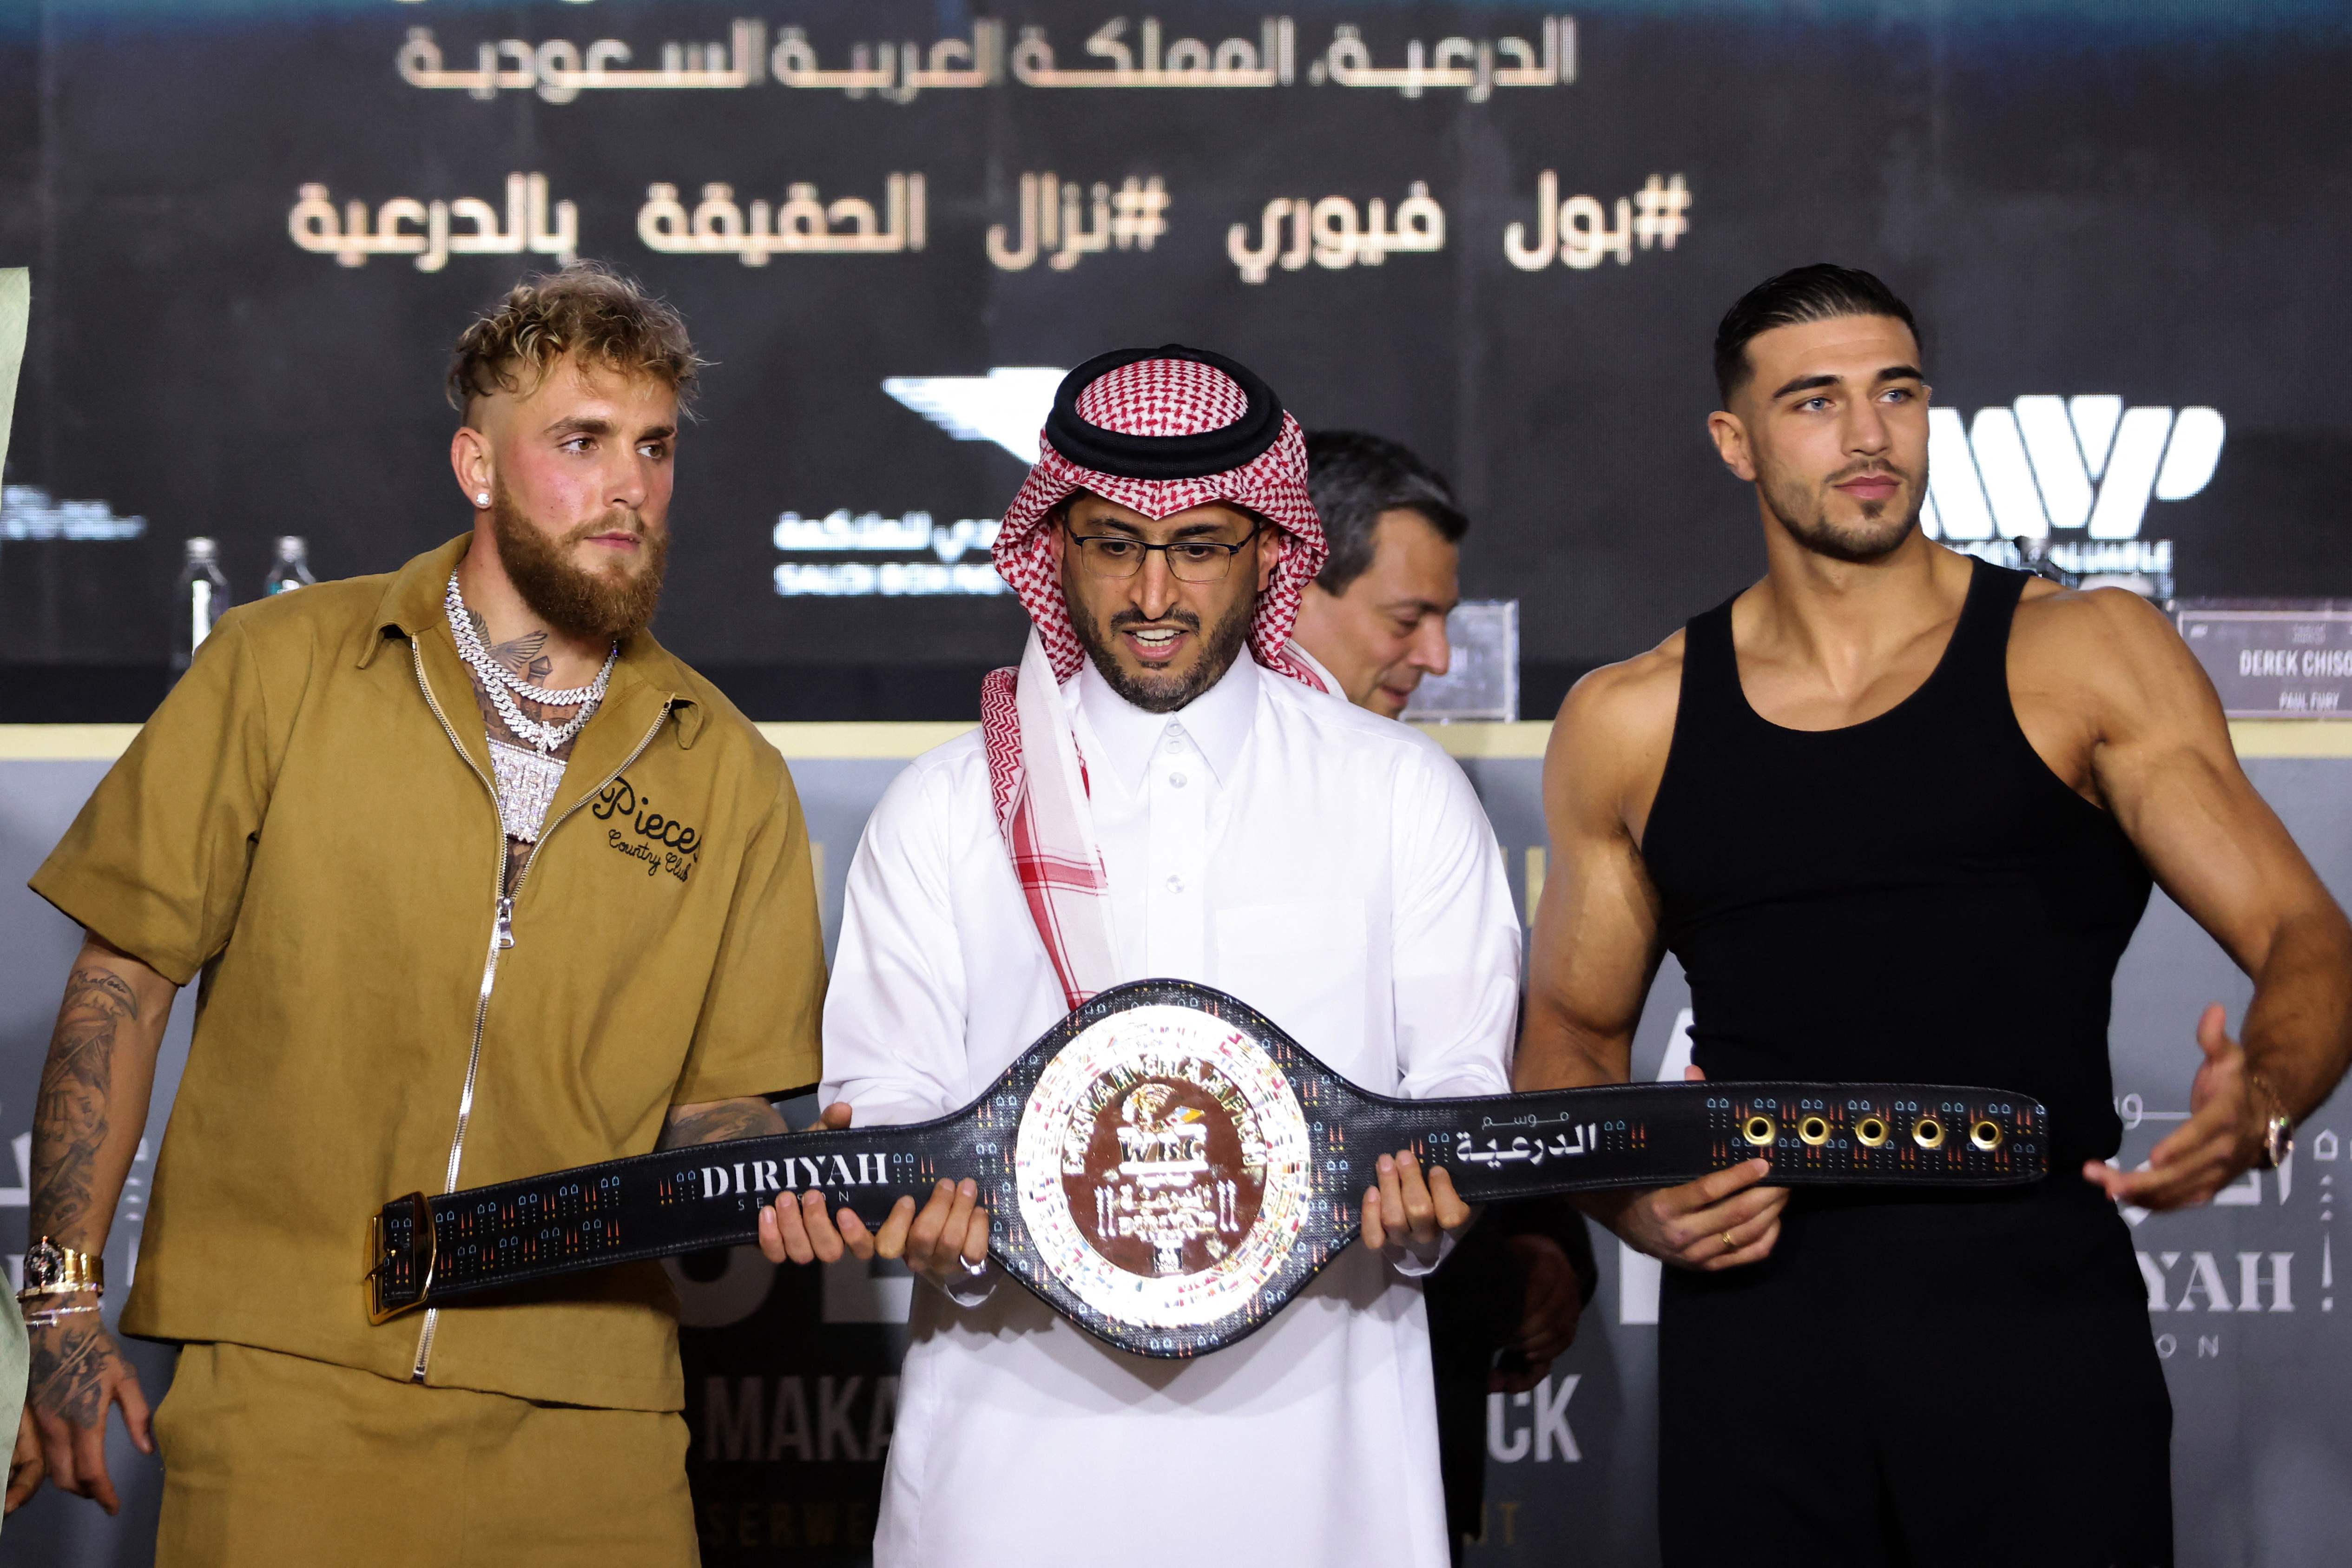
(1759, 1130)
(1870, 1131)
(1927, 1132)
(1986, 1135)
(1815, 1130)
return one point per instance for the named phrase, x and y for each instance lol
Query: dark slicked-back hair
(1817, 293)
(586, 310)
(1353, 477)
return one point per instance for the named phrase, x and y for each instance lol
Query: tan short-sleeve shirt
(308, 822)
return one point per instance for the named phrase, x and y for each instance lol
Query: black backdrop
(2146, 199)
(2137, 199)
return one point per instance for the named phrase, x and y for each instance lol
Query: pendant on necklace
(527, 782)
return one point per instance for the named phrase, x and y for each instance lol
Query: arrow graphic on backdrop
(2042, 465)
(1008, 406)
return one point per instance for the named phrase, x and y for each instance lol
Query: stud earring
(481, 498)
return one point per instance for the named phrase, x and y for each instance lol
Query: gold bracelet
(52, 1269)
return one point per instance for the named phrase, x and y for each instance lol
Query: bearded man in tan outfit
(481, 882)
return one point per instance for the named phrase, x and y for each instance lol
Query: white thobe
(1334, 871)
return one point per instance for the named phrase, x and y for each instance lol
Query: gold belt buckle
(381, 1256)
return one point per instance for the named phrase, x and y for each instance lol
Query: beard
(1800, 512)
(1161, 693)
(592, 606)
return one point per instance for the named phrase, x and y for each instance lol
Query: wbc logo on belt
(1164, 1207)
(1163, 1167)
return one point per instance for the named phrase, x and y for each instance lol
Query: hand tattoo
(71, 1363)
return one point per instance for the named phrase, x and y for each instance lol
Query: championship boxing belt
(1167, 1168)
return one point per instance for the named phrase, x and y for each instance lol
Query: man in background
(1507, 1300)
(1375, 616)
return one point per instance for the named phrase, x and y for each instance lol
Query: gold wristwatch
(54, 1270)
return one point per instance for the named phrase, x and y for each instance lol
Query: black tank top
(1916, 896)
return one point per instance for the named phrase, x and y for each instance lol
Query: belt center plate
(1163, 1167)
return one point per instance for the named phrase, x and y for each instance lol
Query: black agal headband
(1132, 456)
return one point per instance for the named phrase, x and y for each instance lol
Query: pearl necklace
(504, 685)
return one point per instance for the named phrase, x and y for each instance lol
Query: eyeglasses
(1116, 555)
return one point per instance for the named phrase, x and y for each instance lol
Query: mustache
(1174, 617)
(1870, 467)
(620, 519)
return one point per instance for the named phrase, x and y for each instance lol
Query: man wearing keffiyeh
(1167, 787)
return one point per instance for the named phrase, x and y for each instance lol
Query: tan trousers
(272, 1459)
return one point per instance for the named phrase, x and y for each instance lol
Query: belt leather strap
(1168, 1168)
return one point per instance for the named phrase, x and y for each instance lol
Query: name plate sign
(2274, 659)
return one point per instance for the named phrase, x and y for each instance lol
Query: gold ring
(1728, 1244)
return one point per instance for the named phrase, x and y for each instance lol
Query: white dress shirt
(1334, 871)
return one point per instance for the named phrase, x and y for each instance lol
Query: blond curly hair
(587, 311)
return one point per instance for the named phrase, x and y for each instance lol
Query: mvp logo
(2047, 463)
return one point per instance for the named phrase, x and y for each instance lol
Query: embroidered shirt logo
(634, 826)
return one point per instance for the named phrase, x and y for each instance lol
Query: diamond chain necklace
(504, 685)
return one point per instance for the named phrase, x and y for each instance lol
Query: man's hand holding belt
(1720, 1221)
(946, 1242)
(1410, 1220)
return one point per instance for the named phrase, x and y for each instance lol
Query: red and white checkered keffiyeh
(1035, 775)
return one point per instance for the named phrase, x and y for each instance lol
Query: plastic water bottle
(200, 599)
(291, 570)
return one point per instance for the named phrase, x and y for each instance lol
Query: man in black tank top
(1810, 795)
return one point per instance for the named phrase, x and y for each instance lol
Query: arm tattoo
(717, 1123)
(69, 1121)
(72, 1358)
